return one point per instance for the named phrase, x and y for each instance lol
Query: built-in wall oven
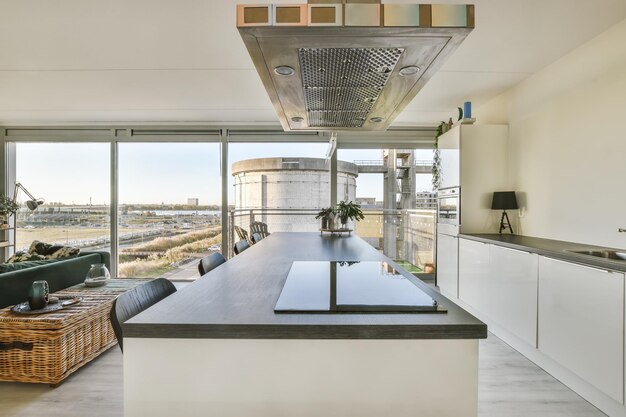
(448, 210)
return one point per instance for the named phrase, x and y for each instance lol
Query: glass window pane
(74, 181)
(395, 191)
(280, 184)
(169, 208)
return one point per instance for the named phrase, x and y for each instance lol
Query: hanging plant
(437, 174)
(437, 159)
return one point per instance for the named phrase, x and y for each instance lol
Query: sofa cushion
(39, 251)
(15, 266)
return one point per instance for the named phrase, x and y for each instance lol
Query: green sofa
(60, 274)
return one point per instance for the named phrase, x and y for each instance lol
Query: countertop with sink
(597, 256)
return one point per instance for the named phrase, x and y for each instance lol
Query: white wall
(568, 143)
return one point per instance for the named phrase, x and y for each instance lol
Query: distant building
(193, 202)
(266, 185)
(369, 203)
(426, 200)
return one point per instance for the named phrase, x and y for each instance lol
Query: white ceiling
(77, 61)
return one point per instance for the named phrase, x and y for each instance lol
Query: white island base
(300, 378)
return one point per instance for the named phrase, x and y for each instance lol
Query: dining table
(235, 343)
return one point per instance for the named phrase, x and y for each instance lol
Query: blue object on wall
(467, 110)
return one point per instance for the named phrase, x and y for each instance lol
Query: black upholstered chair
(133, 302)
(256, 237)
(259, 228)
(241, 246)
(209, 262)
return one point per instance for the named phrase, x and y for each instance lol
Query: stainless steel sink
(607, 254)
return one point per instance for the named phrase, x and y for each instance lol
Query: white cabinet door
(581, 322)
(447, 264)
(513, 282)
(474, 288)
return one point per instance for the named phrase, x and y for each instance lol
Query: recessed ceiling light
(376, 119)
(284, 70)
(297, 119)
(410, 70)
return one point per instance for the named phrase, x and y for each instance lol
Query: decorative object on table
(24, 308)
(38, 295)
(332, 231)
(348, 210)
(504, 200)
(328, 218)
(97, 275)
(429, 268)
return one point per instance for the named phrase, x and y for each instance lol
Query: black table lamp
(504, 200)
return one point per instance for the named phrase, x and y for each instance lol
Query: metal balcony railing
(403, 235)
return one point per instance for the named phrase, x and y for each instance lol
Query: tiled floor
(510, 386)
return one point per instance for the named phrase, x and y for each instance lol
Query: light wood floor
(510, 386)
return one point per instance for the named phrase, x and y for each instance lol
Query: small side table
(333, 231)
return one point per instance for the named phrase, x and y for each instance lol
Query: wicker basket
(47, 348)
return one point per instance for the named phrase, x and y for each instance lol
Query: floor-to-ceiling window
(169, 208)
(73, 180)
(170, 189)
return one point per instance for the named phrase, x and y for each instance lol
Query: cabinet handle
(621, 230)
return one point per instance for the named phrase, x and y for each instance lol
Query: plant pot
(344, 222)
(325, 223)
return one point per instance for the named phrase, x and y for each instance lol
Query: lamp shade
(33, 204)
(504, 200)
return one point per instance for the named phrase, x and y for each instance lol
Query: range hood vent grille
(348, 65)
(341, 85)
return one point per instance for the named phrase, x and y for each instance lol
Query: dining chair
(256, 237)
(241, 246)
(260, 228)
(136, 300)
(210, 262)
(242, 233)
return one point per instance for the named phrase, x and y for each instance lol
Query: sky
(78, 173)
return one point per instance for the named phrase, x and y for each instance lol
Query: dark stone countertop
(236, 300)
(552, 248)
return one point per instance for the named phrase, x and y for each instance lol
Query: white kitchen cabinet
(513, 292)
(581, 322)
(473, 157)
(474, 268)
(447, 264)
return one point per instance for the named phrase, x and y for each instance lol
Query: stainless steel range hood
(352, 66)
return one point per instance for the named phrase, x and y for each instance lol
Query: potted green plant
(328, 217)
(348, 210)
(8, 207)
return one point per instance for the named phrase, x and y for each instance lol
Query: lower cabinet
(581, 322)
(501, 284)
(447, 264)
(513, 279)
(474, 267)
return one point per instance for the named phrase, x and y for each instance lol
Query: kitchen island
(218, 348)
